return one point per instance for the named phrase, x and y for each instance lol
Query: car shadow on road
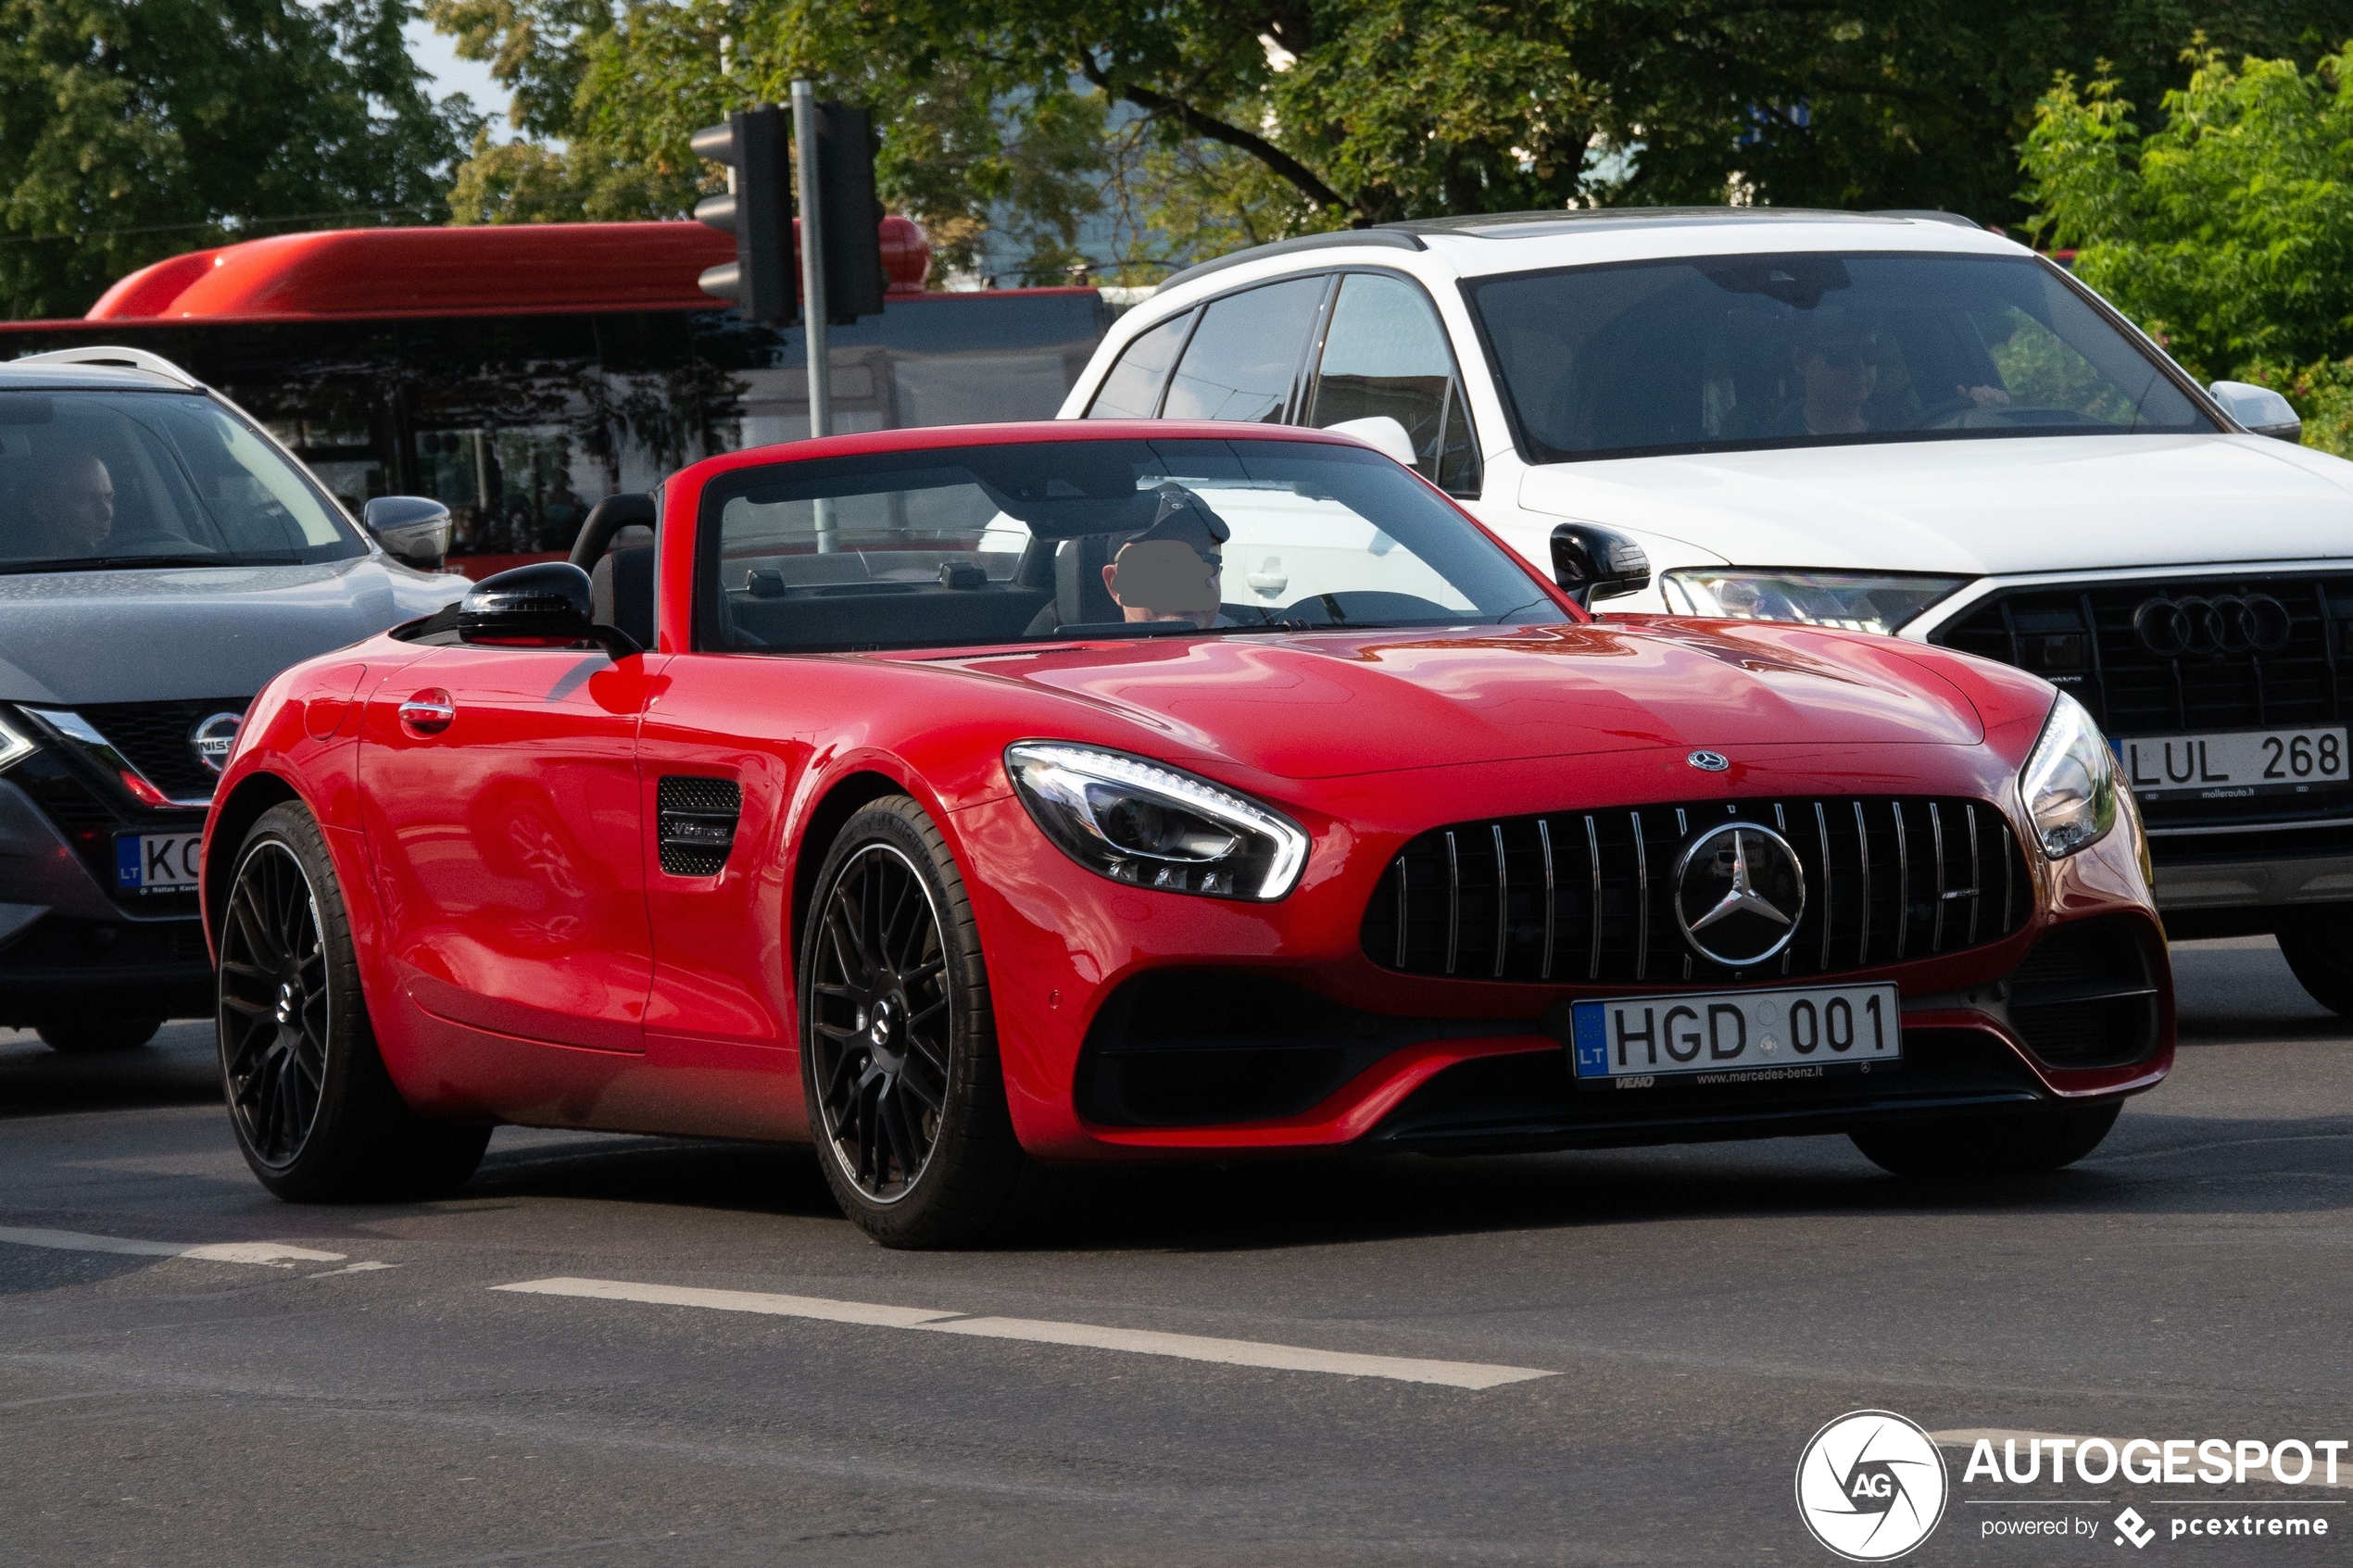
(179, 1066)
(2155, 1164)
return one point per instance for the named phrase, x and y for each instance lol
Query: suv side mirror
(547, 605)
(413, 530)
(1594, 563)
(2258, 409)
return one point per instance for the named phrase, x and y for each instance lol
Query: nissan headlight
(1853, 601)
(1138, 822)
(2069, 782)
(15, 744)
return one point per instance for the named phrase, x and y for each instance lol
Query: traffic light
(851, 222)
(762, 281)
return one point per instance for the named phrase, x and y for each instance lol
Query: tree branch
(1215, 129)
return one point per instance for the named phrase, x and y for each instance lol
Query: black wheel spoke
(879, 1022)
(275, 1017)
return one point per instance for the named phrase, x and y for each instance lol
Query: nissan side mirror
(2259, 408)
(1595, 563)
(547, 605)
(413, 530)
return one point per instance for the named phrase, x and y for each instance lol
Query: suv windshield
(978, 546)
(1741, 353)
(90, 480)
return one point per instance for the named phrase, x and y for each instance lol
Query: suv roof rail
(1928, 215)
(1385, 239)
(118, 357)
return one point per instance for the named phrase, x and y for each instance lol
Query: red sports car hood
(1331, 703)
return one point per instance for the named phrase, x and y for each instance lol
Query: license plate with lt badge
(1736, 1036)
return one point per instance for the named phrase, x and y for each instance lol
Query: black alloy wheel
(273, 1003)
(316, 1115)
(898, 1045)
(879, 1018)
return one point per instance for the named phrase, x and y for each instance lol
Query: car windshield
(1748, 352)
(92, 480)
(1037, 541)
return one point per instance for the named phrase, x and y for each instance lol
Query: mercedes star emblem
(1710, 761)
(1739, 892)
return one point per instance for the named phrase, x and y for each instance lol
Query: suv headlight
(1138, 822)
(2069, 782)
(1853, 601)
(15, 745)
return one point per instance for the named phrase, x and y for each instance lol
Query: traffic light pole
(812, 288)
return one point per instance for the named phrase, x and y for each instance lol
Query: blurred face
(77, 506)
(1840, 375)
(1164, 580)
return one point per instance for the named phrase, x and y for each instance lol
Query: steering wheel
(1936, 414)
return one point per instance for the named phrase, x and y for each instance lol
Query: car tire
(898, 1041)
(78, 1036)
(2318, 946)
(2015, 1143)
(314, 1111)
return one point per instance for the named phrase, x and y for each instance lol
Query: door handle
(428, 713)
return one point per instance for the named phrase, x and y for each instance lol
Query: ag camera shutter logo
(1871, 1485)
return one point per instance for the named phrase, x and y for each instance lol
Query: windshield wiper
(101, 563)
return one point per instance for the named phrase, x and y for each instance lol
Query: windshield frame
(352, 542)
(1537, 454)
(703, 635)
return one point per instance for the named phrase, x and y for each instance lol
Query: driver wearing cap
(1171, 570)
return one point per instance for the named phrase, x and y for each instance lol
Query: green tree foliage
(131, 130)
(1205, 123)
(2227, 231)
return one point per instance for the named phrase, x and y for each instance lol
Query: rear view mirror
(2258, 409)
(413, 530)
(1594, 563)
(547, 605)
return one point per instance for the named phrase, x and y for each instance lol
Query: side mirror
(548, 605)
(1594, 563)
(2258, 409)
(414, 530)
(1382, 434)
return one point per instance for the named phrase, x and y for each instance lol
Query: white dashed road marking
(1186, 1346)
(269, 1254)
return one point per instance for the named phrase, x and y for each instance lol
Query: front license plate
(1752, 1037)
(2235, 763)
(156, 862)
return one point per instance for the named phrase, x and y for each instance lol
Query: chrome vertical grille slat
(1544, 841)
(1426, 915)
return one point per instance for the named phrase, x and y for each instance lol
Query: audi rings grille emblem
(1710, 761)
(212, 737)
(1739, 892)
(2224, 624)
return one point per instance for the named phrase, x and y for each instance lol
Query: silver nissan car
(161, 558)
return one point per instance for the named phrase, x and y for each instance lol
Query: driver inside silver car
(71, 502)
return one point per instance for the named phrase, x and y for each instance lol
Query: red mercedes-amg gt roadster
(960, 800)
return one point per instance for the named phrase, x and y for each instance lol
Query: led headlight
(1854, 601)
(1136, 822)
(15, 745)
(2069, 782)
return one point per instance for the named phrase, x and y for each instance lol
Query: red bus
(519, 373)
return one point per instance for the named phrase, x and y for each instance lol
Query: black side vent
(697, 823)
(2085, 995)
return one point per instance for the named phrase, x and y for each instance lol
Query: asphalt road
(1702, 1312)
